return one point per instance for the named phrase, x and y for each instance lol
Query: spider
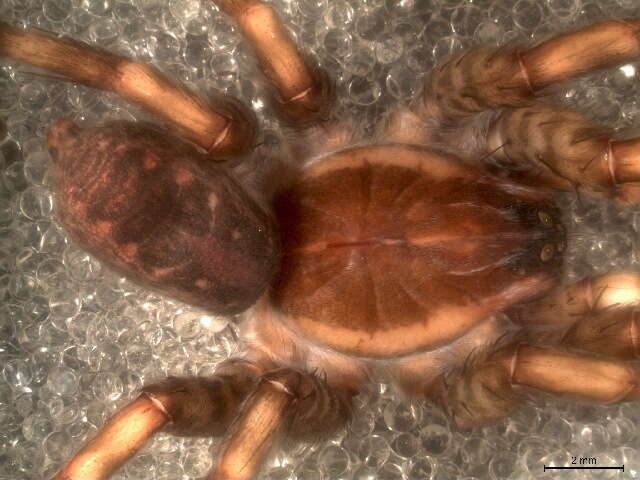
(389, 257)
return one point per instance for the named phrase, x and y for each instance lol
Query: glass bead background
(76, 341)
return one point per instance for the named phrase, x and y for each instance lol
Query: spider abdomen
(153, 208)
(388, 250)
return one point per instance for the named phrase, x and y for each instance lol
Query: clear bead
(405, 445)
(527, 15)
(336, 42)
(58, 446)
(333, 461)
(57, 10)
(421, 469)
(36, 167)
(63, 410)
(503, 465)
(35, 203)
(401, 416)
(402, 83)
(107, 387)
(374, 451)
(339, 14)
(197, 462)
(592, 437)
(365, 473)
(388, 49)
(435, 439)
(106, 357)
(37, 426)
(370, 26)
(391, 471)
(98, 7)
(363, 91)
(17, 373)
(62, 380)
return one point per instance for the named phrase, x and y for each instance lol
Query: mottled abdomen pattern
(390, 250)
(156, 210)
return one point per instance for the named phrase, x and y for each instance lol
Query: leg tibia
(186, 406)
(253, 434)
(223, 130)
(602, 45)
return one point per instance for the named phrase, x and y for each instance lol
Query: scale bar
(584, 468)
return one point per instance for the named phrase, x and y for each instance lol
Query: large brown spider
(389, 257)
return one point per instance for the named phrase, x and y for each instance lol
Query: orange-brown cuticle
(465, 248)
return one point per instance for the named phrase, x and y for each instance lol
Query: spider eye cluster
(545, 218)
(549, 250)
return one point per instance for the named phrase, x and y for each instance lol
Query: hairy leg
(224, 130)
(489, 388)
(250, 408)
(558, 148)
(489, 78)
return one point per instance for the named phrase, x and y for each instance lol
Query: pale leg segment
(304, 94)
(224, 130)
(183, 406)
(250, 408)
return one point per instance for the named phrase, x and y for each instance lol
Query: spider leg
(593, 327)
(304, 94)
(286, 402)
(567, 304)
(558, 148)
(540, 144)
(251, 408)
(184, 406)
(490, 388)
(225, 129)
(597, 314)
(488, 78)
